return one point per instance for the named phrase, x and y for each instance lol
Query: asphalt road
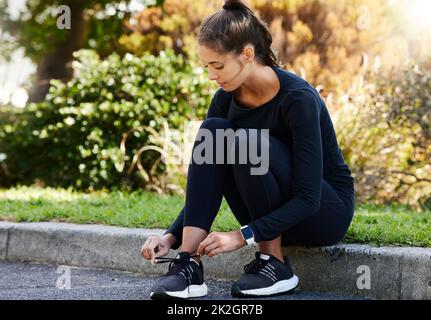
(28, 281)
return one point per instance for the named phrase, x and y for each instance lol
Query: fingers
(205, 245)
(148, 249)
(162, 252)
(201, 249)
(215, 251)
(210, 248)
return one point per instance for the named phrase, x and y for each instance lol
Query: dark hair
(233, 27)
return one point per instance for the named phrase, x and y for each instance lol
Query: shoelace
(176, 264)
(254, 266)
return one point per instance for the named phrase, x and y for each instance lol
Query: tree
(323, 41)
(383, 124)
(173, 25)
(94, 24)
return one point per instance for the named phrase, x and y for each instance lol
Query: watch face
(247, 233)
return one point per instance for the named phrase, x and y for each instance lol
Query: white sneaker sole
(193, 291)
(282, 286)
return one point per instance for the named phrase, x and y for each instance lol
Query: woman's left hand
(218, 242)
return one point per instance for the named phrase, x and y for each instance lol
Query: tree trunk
(56, 64)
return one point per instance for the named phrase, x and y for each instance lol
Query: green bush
(86, 132)
(384, 128)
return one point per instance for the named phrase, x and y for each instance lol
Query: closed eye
(219, 68)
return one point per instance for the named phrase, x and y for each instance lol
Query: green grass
(376, 225)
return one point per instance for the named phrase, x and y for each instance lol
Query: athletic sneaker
(185, 279)
(265, 276)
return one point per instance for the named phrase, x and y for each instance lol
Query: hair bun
(233, 5)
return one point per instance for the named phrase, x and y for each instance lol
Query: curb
(359, 270)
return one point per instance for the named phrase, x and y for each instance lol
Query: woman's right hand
(156, 244)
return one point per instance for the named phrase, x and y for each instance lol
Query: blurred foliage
(173, 25)
(35, 27)
(107, 126)
(384, 127)
(175, 148)
(325, 42)
(89, 132)
(94, 24)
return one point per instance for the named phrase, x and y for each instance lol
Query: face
(227, 69)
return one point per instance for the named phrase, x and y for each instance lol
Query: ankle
(277, 255)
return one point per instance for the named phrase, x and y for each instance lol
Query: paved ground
(39, 281)
(390, 272)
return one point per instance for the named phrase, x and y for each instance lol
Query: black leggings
(253, 196)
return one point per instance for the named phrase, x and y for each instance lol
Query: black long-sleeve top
(298, 116)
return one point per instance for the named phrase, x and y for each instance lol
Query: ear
(248, 53)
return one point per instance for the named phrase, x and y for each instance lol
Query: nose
(212, 75)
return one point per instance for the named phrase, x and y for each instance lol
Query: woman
(306, 195)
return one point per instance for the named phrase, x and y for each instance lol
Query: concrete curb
(360, 270)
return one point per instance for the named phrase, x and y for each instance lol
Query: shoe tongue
(183, 254)
(186, 255)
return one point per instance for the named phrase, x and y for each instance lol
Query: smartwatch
(248, 235)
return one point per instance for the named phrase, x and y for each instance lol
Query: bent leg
(204, 189)
(263, 194)
(325, 227)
